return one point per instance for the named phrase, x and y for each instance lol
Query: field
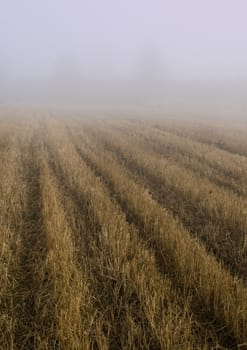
(122, 233)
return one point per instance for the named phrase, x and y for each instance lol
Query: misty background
(173, 55)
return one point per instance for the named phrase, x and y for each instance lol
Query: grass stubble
(113, 237)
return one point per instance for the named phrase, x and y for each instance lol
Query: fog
(173, 55)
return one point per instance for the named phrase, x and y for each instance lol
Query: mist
(173, 55)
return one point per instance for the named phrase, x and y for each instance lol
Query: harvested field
(122, 233)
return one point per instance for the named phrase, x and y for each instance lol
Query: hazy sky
(185, 38)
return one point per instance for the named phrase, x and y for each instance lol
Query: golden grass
(101, 241)
(215, 214)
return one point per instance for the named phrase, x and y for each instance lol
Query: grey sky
(205, 39)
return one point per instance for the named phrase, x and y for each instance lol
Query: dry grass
(121, 235)
(215, 215)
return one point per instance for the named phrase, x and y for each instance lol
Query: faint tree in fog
(150, 66)
(150, 75)
(4, 79)
(67, 78)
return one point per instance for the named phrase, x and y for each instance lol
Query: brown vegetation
(121, 234)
